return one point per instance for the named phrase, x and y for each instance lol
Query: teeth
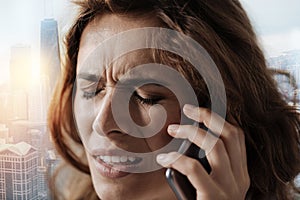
(123, 158)
(131, 159)
(107, 159)
(117, 159)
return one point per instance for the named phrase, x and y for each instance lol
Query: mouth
(119, 160)
(112, 164)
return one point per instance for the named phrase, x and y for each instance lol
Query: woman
(256, 155)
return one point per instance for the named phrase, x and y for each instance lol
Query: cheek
(139, 113)
(84, 115)
(162, 138)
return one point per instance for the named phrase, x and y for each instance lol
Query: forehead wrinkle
(89, 41)
(103, 27)
(125, 63)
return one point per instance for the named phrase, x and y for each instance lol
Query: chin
(132, 186)
(150, 185)
(113, 193)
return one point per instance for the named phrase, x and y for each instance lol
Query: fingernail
(188, 107)
(162, 158)
(172, 129)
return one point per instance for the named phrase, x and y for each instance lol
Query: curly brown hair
(223, 28)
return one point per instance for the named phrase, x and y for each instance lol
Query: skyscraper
(18, 171)
(50, 56)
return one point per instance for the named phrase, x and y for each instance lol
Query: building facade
(18, 172)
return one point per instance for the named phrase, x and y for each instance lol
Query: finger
(204, 115)
(194, 171)
(217, 157)
(232, 136)
(216, 124)
(220, 164)
(192, 133)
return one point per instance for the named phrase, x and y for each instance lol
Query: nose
(104, 122)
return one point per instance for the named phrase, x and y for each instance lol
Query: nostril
(105, 127)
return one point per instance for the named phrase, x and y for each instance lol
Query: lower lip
(109, 171)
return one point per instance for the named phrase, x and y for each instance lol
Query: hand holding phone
(178, 182)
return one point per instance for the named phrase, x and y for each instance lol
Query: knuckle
(236, 133)
(234, 130)
(219, 145)
(193, 167)
(241, 133)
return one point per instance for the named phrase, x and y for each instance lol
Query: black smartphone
(178, 182)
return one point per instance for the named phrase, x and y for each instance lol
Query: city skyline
(23, 119)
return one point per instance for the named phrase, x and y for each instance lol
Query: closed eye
(89, 95)
(148, 101)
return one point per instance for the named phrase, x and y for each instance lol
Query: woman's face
(107, 133)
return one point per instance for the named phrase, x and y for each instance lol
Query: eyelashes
(148, 101)
(89, 95)
(151, 100)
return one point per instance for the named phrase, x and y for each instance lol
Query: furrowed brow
(89, 77)
(143, 81)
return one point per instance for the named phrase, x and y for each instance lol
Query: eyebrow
(89, 77)
(125, 82)
(143, 81)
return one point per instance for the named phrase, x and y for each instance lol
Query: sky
(277, 23)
